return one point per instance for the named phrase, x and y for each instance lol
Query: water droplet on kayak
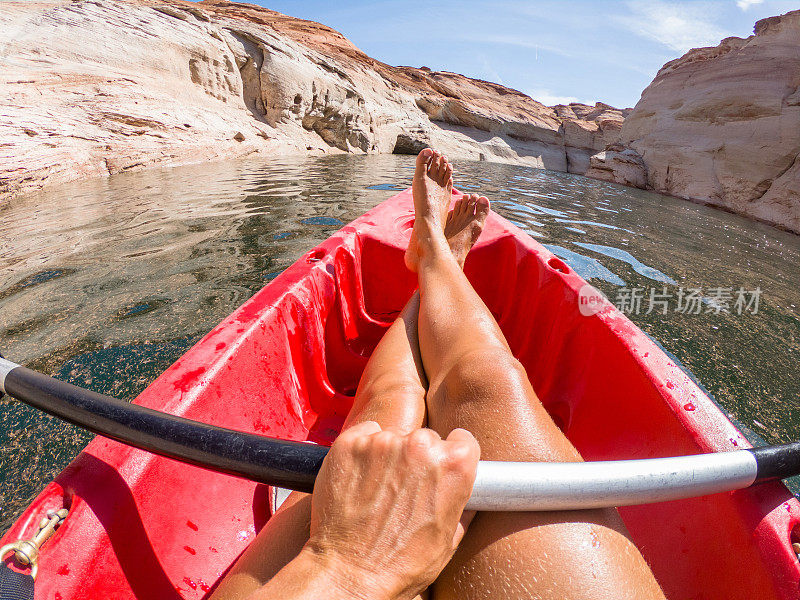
(188, 379)
(689, 406)
(221, 345)
(670, 385)
(63, 570)
(734, 442)
(204, 586)
(190, 583)
(190, 550)
(191, 525)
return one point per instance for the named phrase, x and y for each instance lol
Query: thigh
(574, 554)
(546, 556)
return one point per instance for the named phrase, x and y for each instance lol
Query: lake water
(105, 283)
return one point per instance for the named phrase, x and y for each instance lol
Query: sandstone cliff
(93, 87)
(722, 126)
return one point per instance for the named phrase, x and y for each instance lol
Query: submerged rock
(93, 88)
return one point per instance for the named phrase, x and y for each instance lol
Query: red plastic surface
(286, 364)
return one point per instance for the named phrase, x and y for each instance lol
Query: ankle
(437, 254)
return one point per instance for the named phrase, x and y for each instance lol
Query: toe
(448, 173)
(482, 206)
(440, 178)
(460, 206)
(433, 166)
(422, 160)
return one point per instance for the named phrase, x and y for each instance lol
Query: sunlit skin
(445, 363)
(391, 392)
(475, 383)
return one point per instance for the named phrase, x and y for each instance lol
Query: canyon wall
(721, 126)
(94, 87)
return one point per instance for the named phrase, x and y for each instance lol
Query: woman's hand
(388, 509)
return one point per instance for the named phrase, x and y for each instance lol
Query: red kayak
(286, 365)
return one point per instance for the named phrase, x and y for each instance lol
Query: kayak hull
(287, 363)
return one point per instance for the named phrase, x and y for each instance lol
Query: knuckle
(425, 449)
(422, 440)
(348, 436)
(359, 445)
(385, 442)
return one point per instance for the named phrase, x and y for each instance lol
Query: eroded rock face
(93, 87)
(722, 125)
(618, 164)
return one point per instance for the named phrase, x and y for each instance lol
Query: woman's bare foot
(465, 223)
(432, 188)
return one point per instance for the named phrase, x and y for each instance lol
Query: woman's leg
(476, 384)
(391, 392)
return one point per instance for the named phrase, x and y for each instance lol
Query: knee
(389, 385)
(485, 372)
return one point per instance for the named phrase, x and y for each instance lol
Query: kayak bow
(285, 366)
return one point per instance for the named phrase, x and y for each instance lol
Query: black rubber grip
(777, 462)
(14, 585)
(292, 465)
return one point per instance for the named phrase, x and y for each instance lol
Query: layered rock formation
(618, 164)
(93, 87)
(722, 126)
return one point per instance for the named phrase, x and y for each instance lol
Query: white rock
(89, 88)
(722, 125)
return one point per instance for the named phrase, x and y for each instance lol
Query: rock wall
(94, 87)
(722, 126)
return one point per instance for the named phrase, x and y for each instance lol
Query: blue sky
(555, 51)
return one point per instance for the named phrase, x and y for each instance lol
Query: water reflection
(106, 283)
(627, 257)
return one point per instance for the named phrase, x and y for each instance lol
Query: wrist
(341, 580)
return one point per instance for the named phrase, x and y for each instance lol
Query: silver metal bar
(517, 486)
(6, 366)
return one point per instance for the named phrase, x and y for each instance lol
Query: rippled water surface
(106, 283)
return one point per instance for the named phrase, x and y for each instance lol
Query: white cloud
(745, 4)
(548, 98)
(521, 41)
(680, 26)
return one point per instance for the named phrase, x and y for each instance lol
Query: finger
(461, 438)
(459, 434)
(361, 429)
(463, 525)
(422, 438)
(386, 443)
(463, 453)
